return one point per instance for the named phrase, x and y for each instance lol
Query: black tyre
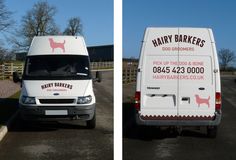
(16, 77)
(91, 124)
(99, 76)
(23, 122)
(212, 131)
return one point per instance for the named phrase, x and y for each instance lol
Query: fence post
(12, 68)
(22, 68)
(3, 71)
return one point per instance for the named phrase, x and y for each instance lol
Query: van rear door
(158, 86)
(197, 82)
(177, 68)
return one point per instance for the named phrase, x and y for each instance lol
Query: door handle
(185, 98)
(201, 88)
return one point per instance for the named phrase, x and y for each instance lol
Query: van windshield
(57, 67)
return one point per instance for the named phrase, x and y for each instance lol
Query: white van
(57, 82)
(178, 79)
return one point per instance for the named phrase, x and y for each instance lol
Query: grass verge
(8, 106)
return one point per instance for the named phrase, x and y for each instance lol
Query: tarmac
(7, 88)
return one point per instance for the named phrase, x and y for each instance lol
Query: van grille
(56, 101)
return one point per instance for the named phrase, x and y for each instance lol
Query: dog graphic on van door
(200, 101)
(54, 45)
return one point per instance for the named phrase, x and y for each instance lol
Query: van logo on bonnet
(54, 45)
(56, 85)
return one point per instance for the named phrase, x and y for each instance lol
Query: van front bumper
(179, 122)
(73, 112)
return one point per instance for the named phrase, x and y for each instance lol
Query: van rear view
(178, 80)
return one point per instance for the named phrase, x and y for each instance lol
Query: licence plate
(56, 112)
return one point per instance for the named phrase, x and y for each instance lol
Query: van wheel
(21, 121)
(91, 124)
(98, 76)
(212, 131)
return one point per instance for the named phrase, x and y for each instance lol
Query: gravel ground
(8, 88)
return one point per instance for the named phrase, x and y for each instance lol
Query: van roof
(178, 27)
(51, 45)
(186, 40)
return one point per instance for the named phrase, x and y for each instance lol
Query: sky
(96, 16)
(216, 14)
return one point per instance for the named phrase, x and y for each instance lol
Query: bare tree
(74, 27)
(226, 57)
(5, 17)
(6, 22)
(38, 21)
(5, 55)
(2, 53)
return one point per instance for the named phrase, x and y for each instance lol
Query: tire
(23, 122)
(212, 131)
(91, 124)
(145, 132)
(98, 76)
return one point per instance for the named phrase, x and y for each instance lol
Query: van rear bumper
(179, 122)
(73, 112)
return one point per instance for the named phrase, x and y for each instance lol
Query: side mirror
(98, 76)
(16, 77)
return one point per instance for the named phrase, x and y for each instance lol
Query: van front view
(178, 79)
(57, 82)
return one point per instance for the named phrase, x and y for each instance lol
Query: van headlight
(28, 100)
(84, 100)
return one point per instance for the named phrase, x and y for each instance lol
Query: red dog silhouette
(54, 44)
(202, 100)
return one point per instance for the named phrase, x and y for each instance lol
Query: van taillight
(218, 101)
(137, 101)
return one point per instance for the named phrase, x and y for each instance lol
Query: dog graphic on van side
(54, 45)
(200, 101)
